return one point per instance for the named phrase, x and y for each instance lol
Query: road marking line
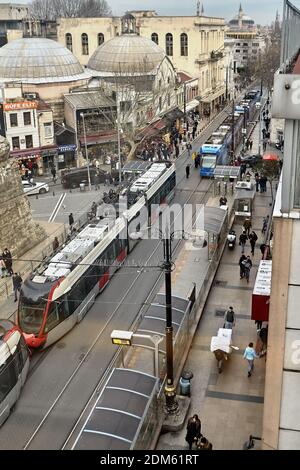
(57, 207)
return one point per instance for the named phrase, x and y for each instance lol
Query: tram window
(8, 377)
(63, 308)
(77, 295)
(91, 278)
(24, 350)
(52, 317)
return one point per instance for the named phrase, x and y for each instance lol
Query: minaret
(198, 7)
(277, 22)
(202, 10)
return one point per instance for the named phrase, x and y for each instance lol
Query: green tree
(270, 169)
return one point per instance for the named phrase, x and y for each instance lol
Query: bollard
(231, 188)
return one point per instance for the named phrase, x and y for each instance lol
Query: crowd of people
(28, 168)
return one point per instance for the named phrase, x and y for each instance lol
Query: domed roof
(126, 54)
(38, 60)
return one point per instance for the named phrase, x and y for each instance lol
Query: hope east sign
(286, 97)
(20, 105)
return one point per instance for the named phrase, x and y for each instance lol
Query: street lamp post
(245, 129)
(170, 391)
(86, 152)
(119, 141)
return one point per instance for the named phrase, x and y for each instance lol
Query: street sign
(244, 131)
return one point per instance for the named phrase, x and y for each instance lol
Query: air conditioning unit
(30, 96)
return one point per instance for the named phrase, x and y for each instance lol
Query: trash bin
(82, 186)
(185, 383)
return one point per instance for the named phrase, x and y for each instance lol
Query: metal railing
(290, 43)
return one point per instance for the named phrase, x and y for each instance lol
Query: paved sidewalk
(26, 264)
(230, 405)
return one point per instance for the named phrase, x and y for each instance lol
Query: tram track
(30, 440)
(96, 340)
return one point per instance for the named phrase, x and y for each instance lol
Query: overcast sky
(262, 11)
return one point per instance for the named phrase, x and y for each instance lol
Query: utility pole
(170, 391)
(226, 92)
(232, 134)
(184, 103)
(86, 152)
(245, 129)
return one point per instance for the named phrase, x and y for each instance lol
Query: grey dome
(126, 54)
(38, 60)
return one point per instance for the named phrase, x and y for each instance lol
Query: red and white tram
(61, 291)
(14, 365)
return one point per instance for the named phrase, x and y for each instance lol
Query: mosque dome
(128, 54)
(38, 60)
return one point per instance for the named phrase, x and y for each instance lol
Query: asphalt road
(63, 378)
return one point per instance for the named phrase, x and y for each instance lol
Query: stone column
(18, 232)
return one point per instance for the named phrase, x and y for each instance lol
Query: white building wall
(22, 130)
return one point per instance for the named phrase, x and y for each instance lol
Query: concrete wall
(45, 117)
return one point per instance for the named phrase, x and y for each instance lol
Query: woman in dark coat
(193, 431)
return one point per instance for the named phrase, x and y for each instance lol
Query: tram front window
(208, 162)
(31, 315)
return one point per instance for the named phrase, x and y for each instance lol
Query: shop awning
(174, 114)
(211, 97)
(98, 139)
(152, 129)
(192, 105)
(33, 152)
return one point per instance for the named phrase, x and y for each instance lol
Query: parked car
(251, 160)
(72, 178)
(35, 187)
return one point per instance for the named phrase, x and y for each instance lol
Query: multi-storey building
(281, 423)
(248, 42)
(11, 18)
(194, 44)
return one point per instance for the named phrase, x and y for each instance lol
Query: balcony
(203, 58)
(216, 55)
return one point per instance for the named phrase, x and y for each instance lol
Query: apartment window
(169, 44)
(154, 38)
(13, 117)
(237, 51)
(255, 44)
(245, 58)
(29, 141)
(69, 42)
(238, 43)
(15, 143)
(48, 129)
(184, 44)
(245, 44)
(85, 44)
(27, 118)
(100, 39)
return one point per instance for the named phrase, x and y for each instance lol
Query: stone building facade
(18, 232)
(194, 44)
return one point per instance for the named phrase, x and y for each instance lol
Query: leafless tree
(52, 9)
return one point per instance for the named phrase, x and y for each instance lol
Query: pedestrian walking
(243, 240)
(7, 259)
(253, 239)
(189, 149)
(204, 444)
(55, 244)
(247, 143)
(177, 151)
(194, 132)
(251, 144)
(257, 180)
(242, 267)
(53, 172)
(71, 220)
(243, 169)
(263, 249)
(229, 319)
(250, 355)
(265, 224)
(193, 431)
(2, 268)
(247, 266)
(223, 201)
(17, 282)
(187, 171)
(247, 226)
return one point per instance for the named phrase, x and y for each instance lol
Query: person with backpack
(193, 431)
(242, 241)
(17, 282)
(229, 319)
(253, 239)
(242, 267)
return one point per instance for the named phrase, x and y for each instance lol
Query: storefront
(49, 158)
(40, 159)
(66, 156)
